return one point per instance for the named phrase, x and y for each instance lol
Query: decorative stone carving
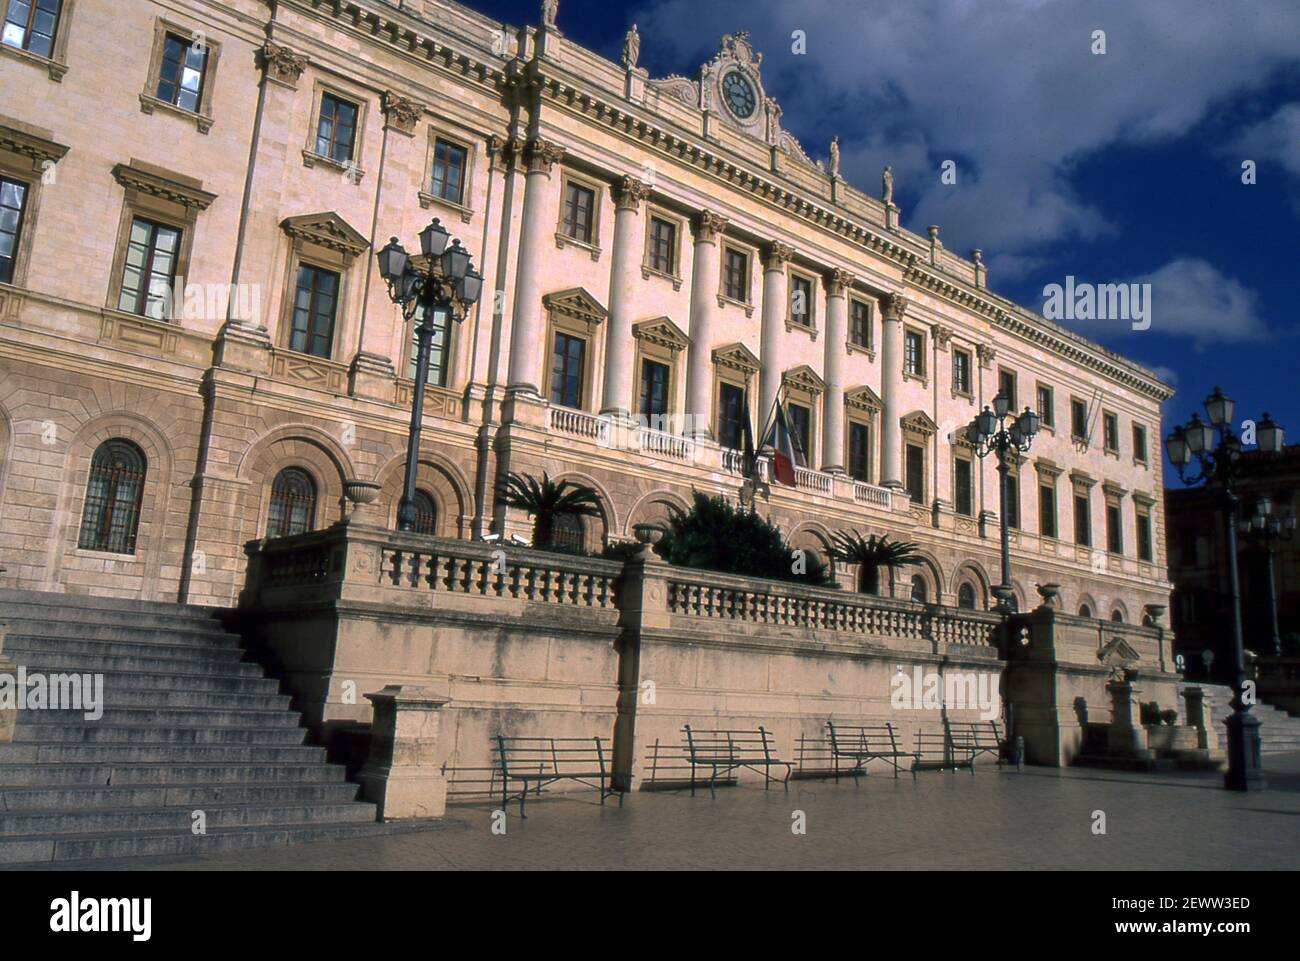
(838, 282)
(577, 304)
(403, 113)
(986, 354)
(662, 332)
(737, 357)
(629, 193)
(542, 155)
(327, 230)
(776, 255)
(893, 306)
(39, 150)
(280, 64)
(941, 335)
(709, 226)
(804, 378)
(864, 399)
(156, 185)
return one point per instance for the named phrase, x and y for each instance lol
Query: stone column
(775, 304)
(527, 352)
(838, 283)
(704, 306)
(892, 309)
(401, 775)
(622, 280)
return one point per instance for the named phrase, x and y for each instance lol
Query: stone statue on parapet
(631, 48)
(835, 156)
(887, 186)
(550, 9)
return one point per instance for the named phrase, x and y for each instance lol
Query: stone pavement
(1031, 820)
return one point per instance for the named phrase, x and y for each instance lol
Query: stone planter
(648, 533)
(360, 494)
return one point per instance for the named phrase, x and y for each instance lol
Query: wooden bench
(970, 739)
(727, 751)
(536, 762)
(862, 743)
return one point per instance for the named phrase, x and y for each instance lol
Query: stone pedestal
(1198, 718)
(401, 775)
(1125, 734)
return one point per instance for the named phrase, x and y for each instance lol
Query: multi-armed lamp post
(441, 279)
(989, 433)
(1217, 451)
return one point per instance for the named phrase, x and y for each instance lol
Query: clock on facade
(739, 94)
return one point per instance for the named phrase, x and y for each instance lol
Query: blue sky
(1119, 167)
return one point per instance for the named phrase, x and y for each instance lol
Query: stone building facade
(196, 349)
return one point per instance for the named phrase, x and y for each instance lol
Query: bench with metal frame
(973, 738)
(727, 751)
(862, 743)
(538, 761)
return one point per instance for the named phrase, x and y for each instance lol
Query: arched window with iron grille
(569, 534)
(293, 503)
(966, 596)
(114, 491)
(426, 514)
(920, 591)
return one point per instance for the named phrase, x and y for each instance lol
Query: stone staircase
(1279, 732)
(188, 725)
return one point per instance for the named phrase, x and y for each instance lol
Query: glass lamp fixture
(433, 239)
(1268, 434)
(1001, 404)
(1219, 408)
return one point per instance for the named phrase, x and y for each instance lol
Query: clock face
(739, 94)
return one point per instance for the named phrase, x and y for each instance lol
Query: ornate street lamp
(1264, 529)
(1217, 452)
(990, 433)
(443, 281)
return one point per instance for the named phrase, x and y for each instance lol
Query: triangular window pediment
(736, 356)
(327, 230)
(577, 304)
(663, 332)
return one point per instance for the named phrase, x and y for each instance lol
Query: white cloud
(1010, 91)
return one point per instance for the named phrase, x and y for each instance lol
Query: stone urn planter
(648, 534)
(1051, 595)
(1154, 612)
(360, 494)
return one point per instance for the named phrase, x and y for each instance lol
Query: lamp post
(990, 433)
(442, 279)
(1264, 529)
(1217, 452)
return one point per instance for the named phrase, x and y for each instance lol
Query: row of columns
(528, 352)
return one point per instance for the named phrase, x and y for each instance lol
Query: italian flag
(781, 439)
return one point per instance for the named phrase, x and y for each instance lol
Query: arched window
(568, 533)
(426, 514)
(1085, 610)
(1117, 616)
(966, 596)
(114, 490)
(919, 590)
(293, 503)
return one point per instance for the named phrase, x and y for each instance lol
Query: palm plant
(545, 501)
(871, 554)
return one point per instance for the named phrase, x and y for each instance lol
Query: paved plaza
(1030, 820)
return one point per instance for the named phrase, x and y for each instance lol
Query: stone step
(228, 700)
(177, 717)
(82, 798)
(160, 753)
(32, 650)
(87, 821)
(57, 632)
(152, 734)
(94, 774)
(93, 847)
(167, 682)
(11, 599)
(53, 662)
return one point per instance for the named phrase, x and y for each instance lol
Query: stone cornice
(30, 145)
(156, 185)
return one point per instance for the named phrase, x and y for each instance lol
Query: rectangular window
(568, 364)
(1013, 501)
(860, 323)
(654, 390)
(1082, 521)
(337, 129)
(449, 162)
(735, 281)
(31, 24)
(1078, 420)
(963, 495)
(663, 246)
(1139, 443)
(1110, 432)
(961, 372)
(1046, 406)
(1114, 530)
(314, 305)
(180, 81)
(859, 452)
(1145, 552)
(1047, 510)
(579, 213)
(801, 428)
(13, 202)
(801, 301)
(149, 270)
(916, 473)
(1007, 387)
(437, 375)
(914, 354)
(731, 411)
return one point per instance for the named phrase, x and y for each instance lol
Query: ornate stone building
(196, 349)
